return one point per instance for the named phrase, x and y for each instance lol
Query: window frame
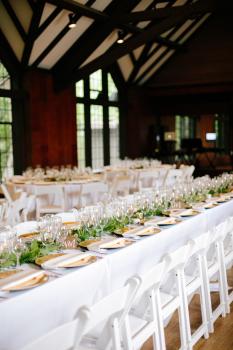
(7, 93)
(104, 101)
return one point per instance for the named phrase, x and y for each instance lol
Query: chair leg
(208, 303)
(221, 282)
(158, 333)
(202, 299)
(126, 335)
(158, 308)
(116, 340)
(184, 322)
(224, 278)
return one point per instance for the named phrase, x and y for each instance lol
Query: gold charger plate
(211, 205)
(81, 262)
(31, 283)
(68, 223)
(29, 235)
(190, 212)
(87, 242)
(116, 244)
(148, 231)
(39, 261)
(125, 229)
(8, 273)
(168, 222)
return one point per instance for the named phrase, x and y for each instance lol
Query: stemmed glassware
(49, 227)
(7, 236)
(18, 247)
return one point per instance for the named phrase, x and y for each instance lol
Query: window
(114, 123)
(97, 145)
(80, 134)
(98, 120)
(185, 128)
(95, 84)
(220, 123)
(6, 148)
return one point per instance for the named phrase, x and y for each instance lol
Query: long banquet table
(27, 315)
(72, 191)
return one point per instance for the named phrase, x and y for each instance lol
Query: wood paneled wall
(50, 121)
(139, 123)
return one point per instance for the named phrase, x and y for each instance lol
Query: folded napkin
(162, 221)
(146, 231)
(110, 243)
(21, 280)
(184, 212)
(67, 260)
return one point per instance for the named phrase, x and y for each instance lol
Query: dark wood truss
(118, 15)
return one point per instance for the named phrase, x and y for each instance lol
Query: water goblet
(18, 247)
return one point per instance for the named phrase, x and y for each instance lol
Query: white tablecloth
(72, 192)
(27, 315)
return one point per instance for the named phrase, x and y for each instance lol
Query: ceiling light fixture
(72, 21)
(121, 35)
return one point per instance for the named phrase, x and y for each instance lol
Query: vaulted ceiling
(35, 33)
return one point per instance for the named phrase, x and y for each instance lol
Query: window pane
(178, 131)
(4, 78)
(114, 134)
(80, 120)
(5, 110)
(95, 84)
(185, 128)
(112, 89)
(6, 151)
(97, 146)
(80, 88)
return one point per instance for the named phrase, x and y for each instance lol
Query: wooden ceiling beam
(32, 32)
(31, 4)
(163, 55)
(134, 42)
(84, 10)
(56, 40)
(150, 15)
(77, 8)
(94, 36)
(145, 55)
(15, 19)
(8, 57)
(48, 21)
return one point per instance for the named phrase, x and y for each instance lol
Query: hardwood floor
(221, 339)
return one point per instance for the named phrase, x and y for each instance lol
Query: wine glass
(6, 235)
(18, 247)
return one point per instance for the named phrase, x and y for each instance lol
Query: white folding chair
(96, 327)
(141, 325)
(148, 180)
(49, 199)
(29, 210)
(72, 195)
(162, 300)
(16, 203)
(212, 272)
(173, 176)
(187, 172)
(121, 185)
(225, 243)
(92, 193)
